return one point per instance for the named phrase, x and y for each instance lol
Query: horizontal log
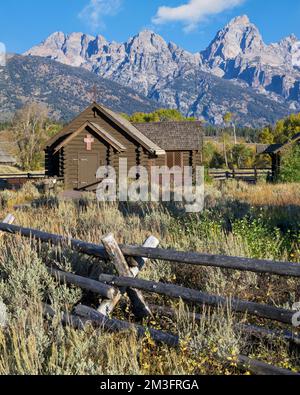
(193, 296)
(261, 332)
(85, 283)
(261, 368)
(44, 237)
(220, 261)
(114, 325)
(87, 316)
(287, 269)
(66, 318)
(247, 329)
(22, 175)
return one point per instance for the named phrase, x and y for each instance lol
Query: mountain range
(238, 72)
(64, 89)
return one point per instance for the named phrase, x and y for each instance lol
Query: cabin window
(174, 159)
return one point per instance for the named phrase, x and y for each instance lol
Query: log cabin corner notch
(100, 137)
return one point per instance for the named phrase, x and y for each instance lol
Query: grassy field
(252, 221)
(9, 170)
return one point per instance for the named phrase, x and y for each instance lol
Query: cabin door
(88, 165)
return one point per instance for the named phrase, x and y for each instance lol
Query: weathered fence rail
(128, 261)
(287, 269)
(201, 298)
(99, 320)
(16, 181)
(84, 283)
(29, 176)
(248, 175)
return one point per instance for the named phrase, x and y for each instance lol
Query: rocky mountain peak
(240, 20)
(55, 40)
(147, 41)
(147, 35)
(239, 37)
(288, 41)
(148, 64)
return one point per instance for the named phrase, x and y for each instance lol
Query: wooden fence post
(151, 242)
(108, 306)
(9, 220)
(115, 254)
(256, 174)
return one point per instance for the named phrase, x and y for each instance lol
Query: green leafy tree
(290, 168)
(287, 128)
(161, 115)
(242, 156)
(282, 132)
(266, 136)
(209, 150)
(217, 161)
(227, 118)
(229, 121)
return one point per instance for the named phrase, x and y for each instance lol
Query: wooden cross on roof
(94, 93)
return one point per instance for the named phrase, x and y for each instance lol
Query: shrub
(290, 170)
(5, 197)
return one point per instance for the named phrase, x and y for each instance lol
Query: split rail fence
(128, 261)
(15, 181)
(246, 175)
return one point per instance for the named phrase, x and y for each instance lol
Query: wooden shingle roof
(98, 130)
(118, 119)
(174, 136)
(5, 157)
(277, 148)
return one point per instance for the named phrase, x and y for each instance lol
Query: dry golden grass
(34, 345)
(9, 170)
(266, 194)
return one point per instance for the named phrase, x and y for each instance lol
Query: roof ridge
(131, 129)
(165, 122)
(108, 135)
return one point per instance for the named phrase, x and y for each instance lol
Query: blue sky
(25, 23)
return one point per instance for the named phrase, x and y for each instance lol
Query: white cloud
(95, 12)
(193, 12)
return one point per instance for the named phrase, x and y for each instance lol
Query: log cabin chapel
(99, 137)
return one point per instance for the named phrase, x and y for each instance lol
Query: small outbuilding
(5, 158)
(100, 137)
(275, 151)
